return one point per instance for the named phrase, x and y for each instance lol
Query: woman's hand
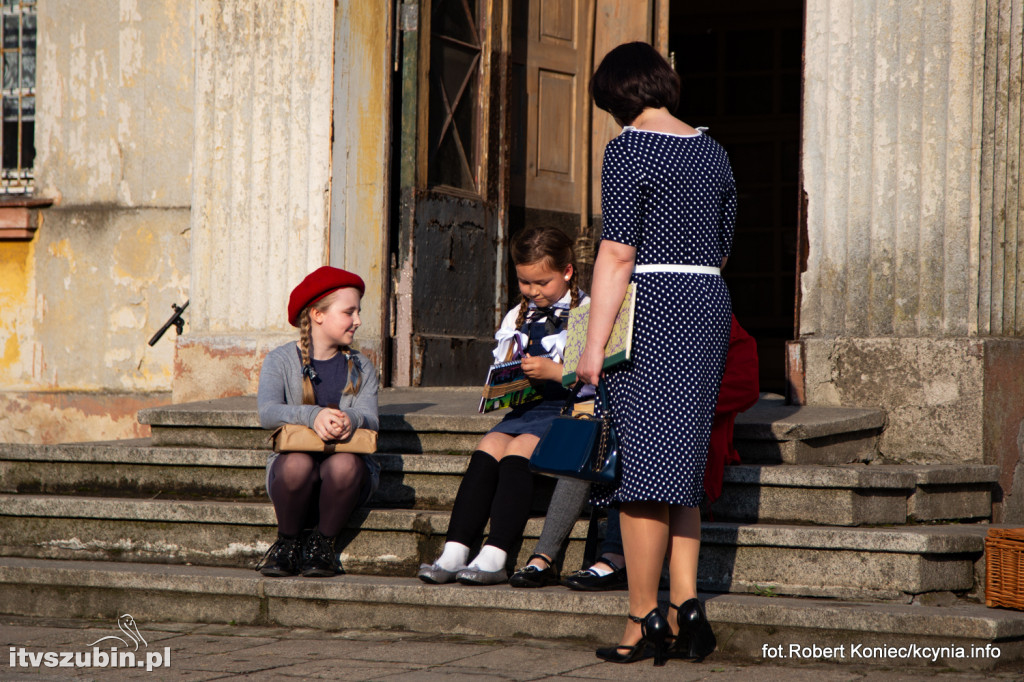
(541, 369)
(332, 424)
(591, 364)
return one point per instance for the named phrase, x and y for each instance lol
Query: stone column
(360, 186)
(911, 297)
(261, 184)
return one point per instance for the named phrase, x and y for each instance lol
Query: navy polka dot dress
(673, 198)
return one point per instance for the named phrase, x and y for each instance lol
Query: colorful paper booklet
(506, 386)
(620, 342)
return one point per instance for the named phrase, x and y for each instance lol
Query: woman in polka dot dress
(668, 203)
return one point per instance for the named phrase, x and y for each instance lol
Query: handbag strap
(574, 396)
(602, 392)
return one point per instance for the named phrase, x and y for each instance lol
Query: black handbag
(582, 446)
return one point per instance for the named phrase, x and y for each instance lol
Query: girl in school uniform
(498, 484)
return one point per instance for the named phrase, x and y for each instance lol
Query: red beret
(318, 284)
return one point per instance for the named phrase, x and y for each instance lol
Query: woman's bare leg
(645, 527)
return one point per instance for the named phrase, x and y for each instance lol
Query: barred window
(17, 144)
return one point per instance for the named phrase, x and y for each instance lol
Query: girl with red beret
(325, 384)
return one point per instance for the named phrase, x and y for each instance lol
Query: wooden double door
(497, 133)
(492, 105)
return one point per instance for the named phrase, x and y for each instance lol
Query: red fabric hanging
(740, 390)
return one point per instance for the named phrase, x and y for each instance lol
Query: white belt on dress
(697, 269)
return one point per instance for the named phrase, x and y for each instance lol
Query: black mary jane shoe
(588, 581)
(531, 576)
(696, 639)
(653, 630)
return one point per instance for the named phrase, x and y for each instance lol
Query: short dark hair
(632, 77)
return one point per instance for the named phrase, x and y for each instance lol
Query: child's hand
(541, 368)
(331, 424)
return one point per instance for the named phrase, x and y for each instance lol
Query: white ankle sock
(454, 556)
(490, 559)
(600, 572)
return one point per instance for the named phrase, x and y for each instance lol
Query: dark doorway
(740, 65)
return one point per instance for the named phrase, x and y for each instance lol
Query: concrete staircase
(814, 543)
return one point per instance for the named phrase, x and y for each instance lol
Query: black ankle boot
(654, 630)
(696, 639)
(282, 559)
(319, 559)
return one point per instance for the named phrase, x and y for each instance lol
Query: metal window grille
(17, 143)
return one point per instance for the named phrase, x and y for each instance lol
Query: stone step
(890, 564)
(855, 494)
(772, 432)
(747, 626)
(893, 564)
(411, 420)
(849, 495)
(445, 420)
(132, 468)
(219, 533)
(137, 469)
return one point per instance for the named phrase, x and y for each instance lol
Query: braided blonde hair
(548, 244)
(352, 385)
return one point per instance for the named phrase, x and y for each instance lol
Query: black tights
(499, 490)
(294, 479)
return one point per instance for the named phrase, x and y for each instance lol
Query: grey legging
(567, 504)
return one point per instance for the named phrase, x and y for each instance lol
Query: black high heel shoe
(696, 639)
(653, 630)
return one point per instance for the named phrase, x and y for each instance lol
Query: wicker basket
(1004, 568)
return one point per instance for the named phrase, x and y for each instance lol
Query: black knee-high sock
(511, 507)
(473, 501)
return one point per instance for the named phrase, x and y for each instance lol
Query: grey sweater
(280, 393)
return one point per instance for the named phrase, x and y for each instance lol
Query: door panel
(455, 263)
(553, 57)
(556, 94)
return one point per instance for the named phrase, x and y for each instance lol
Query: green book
(506, 386)
(620, 342)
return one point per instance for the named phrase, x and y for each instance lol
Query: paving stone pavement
(180, 651)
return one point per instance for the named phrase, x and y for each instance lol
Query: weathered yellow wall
(114, 151)
(274, 197)
(17, 260)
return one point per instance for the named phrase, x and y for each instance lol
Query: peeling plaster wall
(113, 139)
(17, 291)
(262, 159)
(105, 281)
(261, 201)
(274, 83)
(114, 93)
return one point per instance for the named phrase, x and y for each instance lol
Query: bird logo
(126, 624)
